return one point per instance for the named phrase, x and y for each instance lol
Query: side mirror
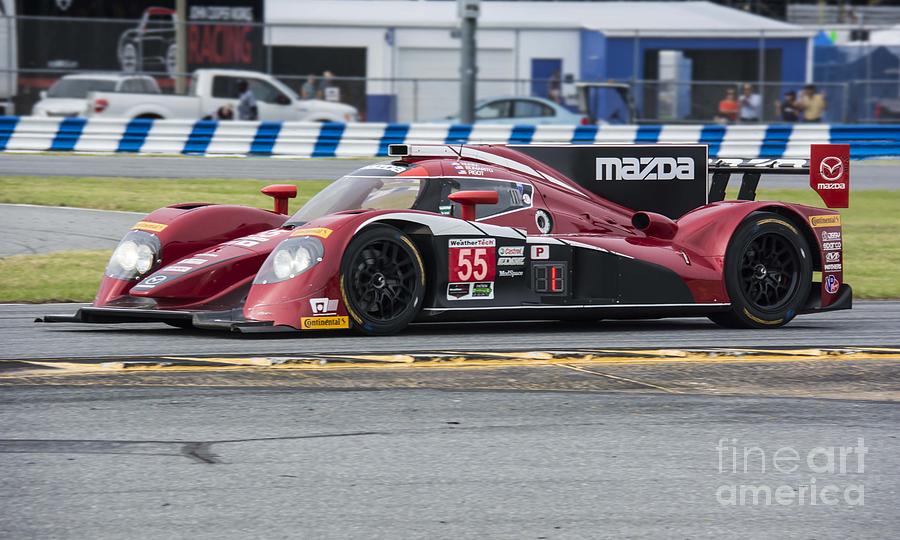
(43, 94)
(282, 99)
(469, 199)
(281, 193)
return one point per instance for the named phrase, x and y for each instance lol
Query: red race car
(487, 232)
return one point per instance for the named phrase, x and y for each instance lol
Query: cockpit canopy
(399, 186)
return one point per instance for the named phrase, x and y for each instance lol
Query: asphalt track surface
(864, 174)
(109, 462)
(28, 229)
(867, 324)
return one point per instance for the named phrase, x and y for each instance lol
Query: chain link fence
(859, 82)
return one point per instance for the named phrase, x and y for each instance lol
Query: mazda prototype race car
(492, 232)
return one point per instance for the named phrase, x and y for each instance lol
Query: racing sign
(829, 173)
(663, 178)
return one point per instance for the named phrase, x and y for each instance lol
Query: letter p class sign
(829, 173)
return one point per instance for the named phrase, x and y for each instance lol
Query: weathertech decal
(324, 323)
(321, 232)
(149, 226)
(833, 220)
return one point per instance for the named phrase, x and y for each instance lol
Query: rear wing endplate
(828, 170)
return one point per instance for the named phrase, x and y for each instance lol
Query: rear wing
(828, 169)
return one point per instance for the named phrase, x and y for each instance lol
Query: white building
(385, 40)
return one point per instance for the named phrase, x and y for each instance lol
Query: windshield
(382, 186)
(79, 88)
(357, 192)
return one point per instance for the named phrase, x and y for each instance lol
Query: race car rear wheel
(768, 273)
(382, 280)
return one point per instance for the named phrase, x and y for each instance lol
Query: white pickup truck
(211, 89)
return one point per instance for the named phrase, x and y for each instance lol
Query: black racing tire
(382, 280)
(768, 273)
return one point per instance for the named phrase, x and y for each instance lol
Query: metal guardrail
(299, 139)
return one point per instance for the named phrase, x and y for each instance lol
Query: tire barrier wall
(300, 139)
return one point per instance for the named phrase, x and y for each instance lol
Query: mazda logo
(831, 169)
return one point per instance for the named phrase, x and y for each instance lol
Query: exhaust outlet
(655, 225)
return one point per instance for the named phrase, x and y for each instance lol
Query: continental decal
(324, 323)
(321, 232)
(833, 220)
(149, 226)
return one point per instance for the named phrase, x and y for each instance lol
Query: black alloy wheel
(768, 273)
(382, 280)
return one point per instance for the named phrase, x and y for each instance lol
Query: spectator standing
(751, 105)
(786, 109)
(247, 109)
(308, 90)
(554, 88)
(728, 107)
(812, 103)
(329, 91)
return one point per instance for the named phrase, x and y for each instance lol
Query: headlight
(134, 256)
(126, 255)
(290, 259)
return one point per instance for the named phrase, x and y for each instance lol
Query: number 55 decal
(472, 260)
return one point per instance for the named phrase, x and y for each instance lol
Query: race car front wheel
(768, 273)
(382, 280)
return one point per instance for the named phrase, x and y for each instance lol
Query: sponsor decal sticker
(833, 267)
(511, 261)
(472, 242)
(540, 252)
(832, 284)
(323, 306)
(149, 226)
(831, 246)
(321, 232)
(831, 168)
(833, 220)
(833, 256)
(465, 168)
(511, 273)
(151, 282)
(481, 290)
(386, 167)
(512, 251)
(254, 239)
(455, 291)
(831, 235)
(645, 168)
(324, 323)
(472, 259)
